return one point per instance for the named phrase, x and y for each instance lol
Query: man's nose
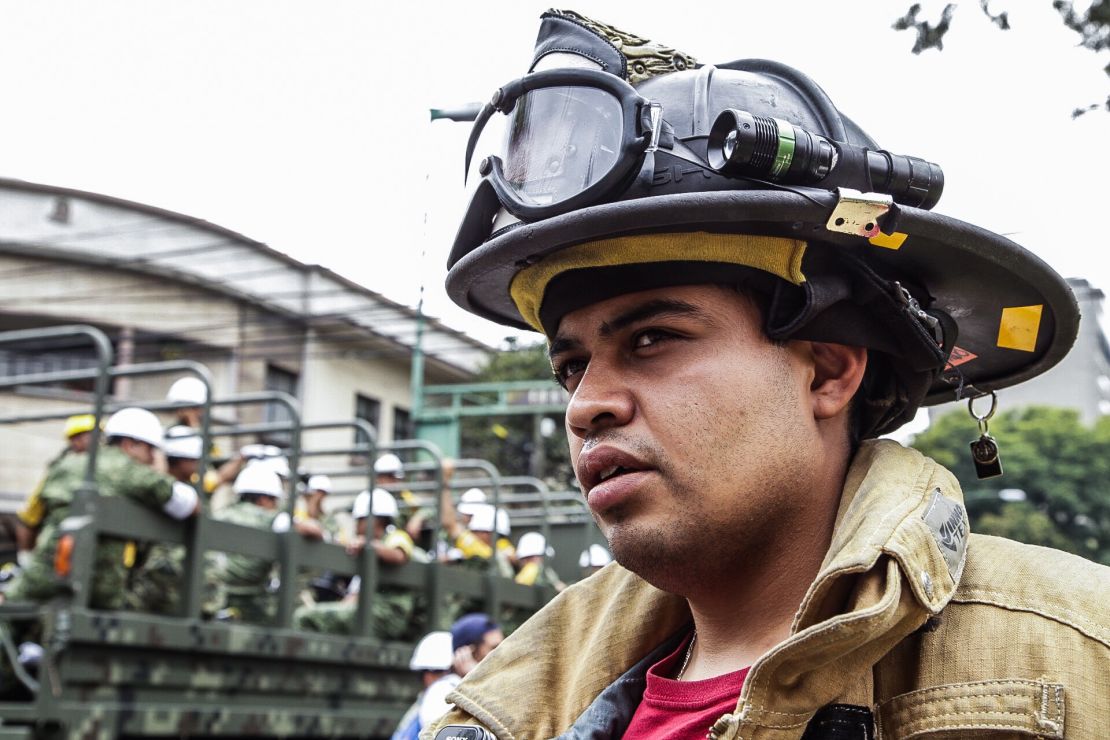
(603, 399)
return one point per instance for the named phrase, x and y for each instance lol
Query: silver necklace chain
(686, 660)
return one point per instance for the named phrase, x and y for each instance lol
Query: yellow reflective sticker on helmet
(1019, 327)
(888, 241)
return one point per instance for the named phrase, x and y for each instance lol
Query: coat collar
(896, 556)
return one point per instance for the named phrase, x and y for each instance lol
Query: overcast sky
(305, 125)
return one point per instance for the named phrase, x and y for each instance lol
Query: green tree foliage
(1092, 25)
(510, 442)
(1062, 465)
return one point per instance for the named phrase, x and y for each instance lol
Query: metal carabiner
(982, 420)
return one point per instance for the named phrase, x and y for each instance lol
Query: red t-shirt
(682, 710)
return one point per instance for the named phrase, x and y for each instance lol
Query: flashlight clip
(858, 213)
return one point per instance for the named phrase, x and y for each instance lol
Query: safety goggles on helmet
(572, 136)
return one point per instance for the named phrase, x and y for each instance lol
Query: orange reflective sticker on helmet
(889, 241)
(1019, 327)
(958, 357)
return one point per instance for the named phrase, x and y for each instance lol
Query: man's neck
(743, 620)
(746, 611)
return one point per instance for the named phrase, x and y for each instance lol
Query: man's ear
(837, 373)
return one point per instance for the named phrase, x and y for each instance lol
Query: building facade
(164, 286)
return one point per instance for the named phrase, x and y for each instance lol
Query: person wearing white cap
(240, 581)
(470, 498)
(156, 577)
(532, 552)
(190, 390)
(594, 558)
(476, 542)
(124, 467)
(183, 447)
(317, 585)
(388, 470)
(392, 607)
(316, 490)
(433, 657)
(389, 467)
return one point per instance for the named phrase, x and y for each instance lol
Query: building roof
(93, 228)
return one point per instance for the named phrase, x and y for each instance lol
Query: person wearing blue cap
(473, 637)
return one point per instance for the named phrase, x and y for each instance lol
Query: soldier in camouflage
(238, 585)
(316, 586)
(392, 608)
(534, 557)
(29, 519)
(123, 468)
(155, 581)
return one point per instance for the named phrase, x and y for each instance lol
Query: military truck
(115, 674)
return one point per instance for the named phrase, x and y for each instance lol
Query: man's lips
(604, 463)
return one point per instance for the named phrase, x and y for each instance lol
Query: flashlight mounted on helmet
(744, 144)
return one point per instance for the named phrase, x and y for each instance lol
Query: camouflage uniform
(116, 475)
(239, 582)
(480, 557)
(333, 533)
(34, 510)
(392, 609)
(155, 582)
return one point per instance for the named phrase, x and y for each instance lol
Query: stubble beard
(700, 550)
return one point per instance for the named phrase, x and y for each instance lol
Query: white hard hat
(258, 479)
(595, 556)
(360, 509)
(135, 423)
(184, 442)
(389, 464)
(482, 518)
(433, 653)
(188, 390)
(278, 464)
(468, 508)
(504, 527)
(319, 483)
(473, 496)
(533, 543)
(383, 503)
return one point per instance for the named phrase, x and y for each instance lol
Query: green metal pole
(417, 379)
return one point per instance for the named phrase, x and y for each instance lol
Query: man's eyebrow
(656, 309)
(560, 345)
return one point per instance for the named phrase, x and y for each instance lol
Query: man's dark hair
(875, 363)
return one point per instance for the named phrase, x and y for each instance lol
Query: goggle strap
(475, 134)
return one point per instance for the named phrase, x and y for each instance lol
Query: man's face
(182, 469)
(315, 501)
(688, 429)
(266, 502)
(490, 640)
(190, 416)
(80, 442)
(140, 452)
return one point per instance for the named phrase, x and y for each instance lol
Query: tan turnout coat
(941, 634)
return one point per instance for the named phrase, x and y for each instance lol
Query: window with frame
(285, 381)
(368, 409)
